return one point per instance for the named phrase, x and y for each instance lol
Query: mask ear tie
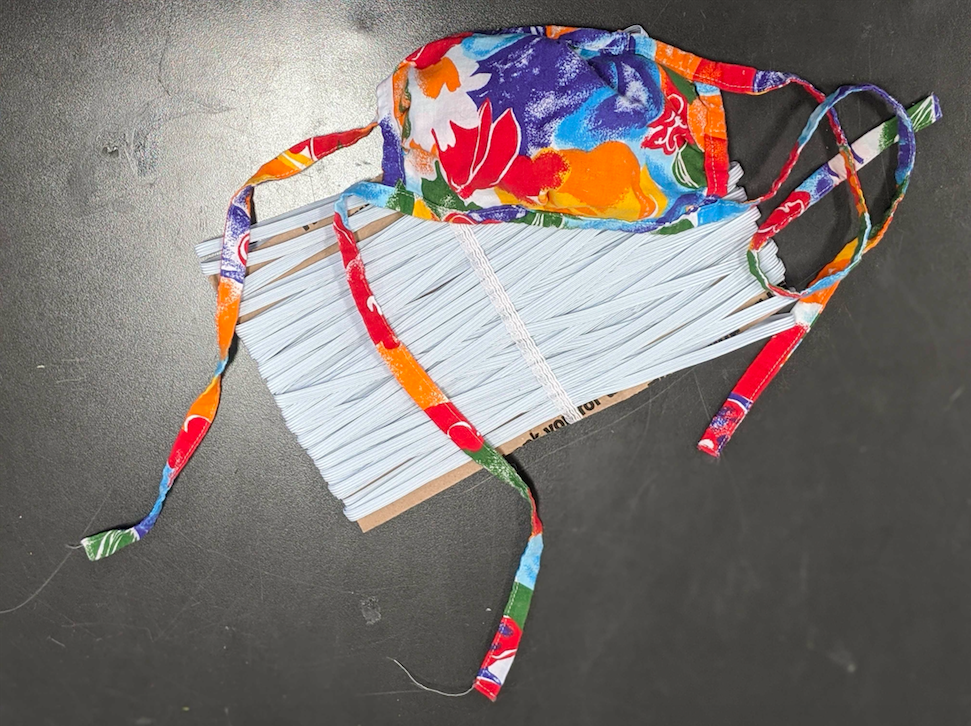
(812, 301)
(232, 271)
(416, 382)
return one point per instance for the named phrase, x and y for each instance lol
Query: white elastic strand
(514, 323)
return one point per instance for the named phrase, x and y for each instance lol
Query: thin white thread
(423, 687)
(39, 589)
(57, 569)
(515, 326)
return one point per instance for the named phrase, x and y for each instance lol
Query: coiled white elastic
(609, 310)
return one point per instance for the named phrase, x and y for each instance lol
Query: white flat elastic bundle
(593, 312)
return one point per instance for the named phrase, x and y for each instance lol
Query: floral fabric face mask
(554, 126)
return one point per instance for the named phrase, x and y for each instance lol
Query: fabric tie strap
(444, 414)
(406, 369)
(232, 270)
(814, 299)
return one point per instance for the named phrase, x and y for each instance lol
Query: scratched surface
(817, 574)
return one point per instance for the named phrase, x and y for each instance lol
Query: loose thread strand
(423, 687)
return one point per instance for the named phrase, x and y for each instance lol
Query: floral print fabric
(550, 125)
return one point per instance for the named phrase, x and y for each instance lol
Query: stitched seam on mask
(514, 324)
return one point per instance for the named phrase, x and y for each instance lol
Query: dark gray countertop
(818, 573)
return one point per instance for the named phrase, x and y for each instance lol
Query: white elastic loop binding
(514, 323)
(608, 309)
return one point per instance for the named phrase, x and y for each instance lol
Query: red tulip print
(480, 156)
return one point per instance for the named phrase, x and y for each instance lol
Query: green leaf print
(401, 199)
(680, 226)
(437, 192)
(685, 87)
(689, 167)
